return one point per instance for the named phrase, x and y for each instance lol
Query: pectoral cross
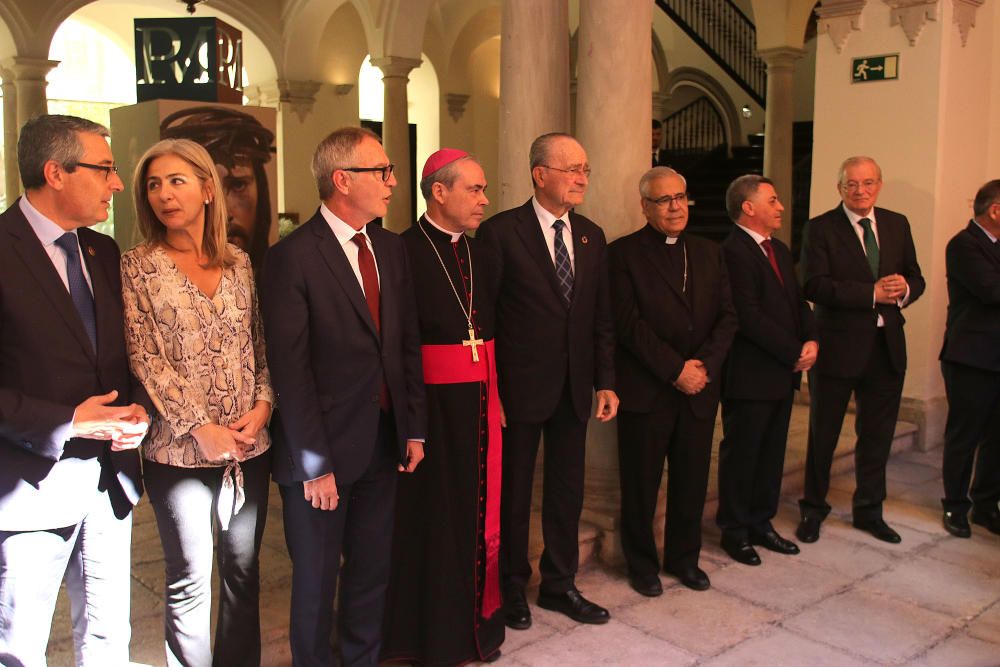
(473, 342)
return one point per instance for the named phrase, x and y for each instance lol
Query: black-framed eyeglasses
(108, 169)
(666, 200)
(386, 170)
(581, 170)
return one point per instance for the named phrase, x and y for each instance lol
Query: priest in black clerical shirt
(675, 322)
(444, 590)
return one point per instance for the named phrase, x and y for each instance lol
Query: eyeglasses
(108, 169)
(579, 171)
(386, 170)
(667, 200)
(854, 186)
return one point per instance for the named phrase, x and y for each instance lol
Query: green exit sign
(875, 68)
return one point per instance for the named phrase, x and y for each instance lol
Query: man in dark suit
(69, 473)
(555, 345)
(970, 363)
(659, 153)
(675, 322)
(860, 268)
(776, 341)
(343, 346)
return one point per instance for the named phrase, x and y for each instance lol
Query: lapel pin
(91, 251)
(584, 240)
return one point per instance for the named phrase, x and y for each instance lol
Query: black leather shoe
(574, 605)
(739, 550)
(649, 585)
(990, 520)
(692, 577)
(517, 616)
(770, 540)
(808, 530)
(956, 523)
(879, 529)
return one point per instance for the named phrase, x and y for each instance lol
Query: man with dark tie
(343, 346)
(970, 363)
(69, 473)
(675, 322)
(775, 343)
(659, 153)
(860, 269)
(555, 346)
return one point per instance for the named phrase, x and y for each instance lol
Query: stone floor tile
(923, 517)
(960, 651)
(777, 582)
(515, 639)
(782, 647)
(875, 627)
(927, 494)
(913, 539)
(701, 622)
(936, 585)
(909, 473)
(986, 626)
(981, 551)
(612, 644)
(608, 588)
(931, 457)
(846, 557)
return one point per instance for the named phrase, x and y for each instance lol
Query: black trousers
(562, 498)
(973, 427)
(751, 463)
(644, 441)
(360, 530)
(877, 394)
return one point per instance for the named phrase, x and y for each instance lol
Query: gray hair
(854, 161)
(540, 149)
(51, 137)
(740, 190)
(335, 152)
(988, 195)
(655, 173)
(446, 176)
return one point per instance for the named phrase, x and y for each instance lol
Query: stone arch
(480, 27)
(660, 64)
(716, 94)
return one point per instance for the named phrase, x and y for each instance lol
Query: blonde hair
(214, 243)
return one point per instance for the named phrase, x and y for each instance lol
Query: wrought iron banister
(695, 127)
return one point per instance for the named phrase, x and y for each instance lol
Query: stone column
(778, 117)
(613, 118)
(396, 136)
(534, 87)
(29, 98)
(12, 181)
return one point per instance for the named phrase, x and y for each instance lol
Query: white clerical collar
(671, 240)
(990, 236)
(855, 218)
(343, 231)
(455, 236)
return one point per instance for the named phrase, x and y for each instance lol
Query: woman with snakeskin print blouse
(195, 342)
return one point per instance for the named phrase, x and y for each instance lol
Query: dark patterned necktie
(769, 249)
(564, 270)
(79, 291)
(369, 280)
(871, 245)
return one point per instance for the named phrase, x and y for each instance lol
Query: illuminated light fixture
(190, 4)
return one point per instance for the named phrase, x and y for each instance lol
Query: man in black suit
(970, 363)
(555, 345)
(860, 268)
(776, 341)
(344, 351)
(659, 153)
(675, 321)
(69, 473)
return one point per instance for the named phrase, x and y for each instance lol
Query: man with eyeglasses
(859, 268)
(970, 364)
(70, 412)
(675, 322)
(343, 346)
(555, 345)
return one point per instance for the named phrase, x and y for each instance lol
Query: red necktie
(766, 244)
(369, 280)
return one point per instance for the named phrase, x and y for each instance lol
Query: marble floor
(845, 600)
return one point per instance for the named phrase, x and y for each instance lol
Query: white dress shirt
(47, 232)
(860, 232)
(345, 233)
(758, 238)
(988, 235)
(546, 219)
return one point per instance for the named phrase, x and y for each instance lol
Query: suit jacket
(972, 335)
(326, 358)
(48, 367)
(659, 329)
(774, 321)
(836, 277)
(539, 340)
